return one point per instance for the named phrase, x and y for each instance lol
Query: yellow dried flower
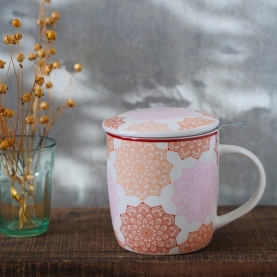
(41, 63)
(77, 67)
(29, 120)
(7, 39)
(52, 51)
(56, 64)
(26, 97)
(17, 36)
(32, 56)
(70, 103)
(49, 85)
(5, 113)
(37, 46)
(10, 141)
(39, 80)
(14, 40)
(49, 20)
(42, 53)
(47, 1)
(55, 15)
(47, 69)
(44, 106)
(2, 64)
(31, 187)
(16, 23)
(51, 35)
(4, 144)
(20, 57)
(3, 88)
(10, 113)
(15, 194)
(44, 119)
(50, 66)
(39, 92)
(40, 22)
(2, 111)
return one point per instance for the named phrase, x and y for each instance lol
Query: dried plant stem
(19, 128)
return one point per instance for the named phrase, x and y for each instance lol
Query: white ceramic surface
(161, 122)
(163, 192)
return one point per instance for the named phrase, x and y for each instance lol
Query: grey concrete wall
(217, 55)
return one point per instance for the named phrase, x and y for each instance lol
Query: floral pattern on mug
(114, 122)
(148, 127)
(118, 240)
(113, 197)
(159, 113)
(196, 192)
(198, 239)
(191, 123)
(142, 168)
(149, 230)
(191, 148)
(207, 114)
(110, 146)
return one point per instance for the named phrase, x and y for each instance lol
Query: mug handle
(256, 197)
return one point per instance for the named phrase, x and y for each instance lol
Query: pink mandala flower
(113, 197)
(191, 148)
(114, 122)
(110, 146)
(142, 168)
(191, 123)
(149, 230)
(198, 239)
(148, 127)
(196, 192)
(159, 113)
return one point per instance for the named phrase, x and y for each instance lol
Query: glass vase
(25, 186)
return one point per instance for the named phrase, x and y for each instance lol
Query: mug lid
(160, 122)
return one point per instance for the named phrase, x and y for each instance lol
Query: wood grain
(81, 242)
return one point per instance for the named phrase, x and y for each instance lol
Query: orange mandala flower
(109, 144)
(149, 230)
(198, 239)
(148, 127)
(191, 123)
(114, 122)
(142, 168)
(192, 148)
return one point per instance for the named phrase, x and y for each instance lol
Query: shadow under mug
(163, 193)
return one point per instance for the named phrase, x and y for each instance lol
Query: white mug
(163, 171)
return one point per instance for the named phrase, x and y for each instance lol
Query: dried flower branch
(35, 113)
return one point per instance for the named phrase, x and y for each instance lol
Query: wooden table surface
(81, 242)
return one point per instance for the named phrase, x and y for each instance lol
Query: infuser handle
(253, 201)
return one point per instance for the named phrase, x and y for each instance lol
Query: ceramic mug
(163, 172)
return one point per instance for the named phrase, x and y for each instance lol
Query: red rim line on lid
(196, 137)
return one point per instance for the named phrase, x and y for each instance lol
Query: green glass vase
(25, 186)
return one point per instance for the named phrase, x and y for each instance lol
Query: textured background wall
(217, 55)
